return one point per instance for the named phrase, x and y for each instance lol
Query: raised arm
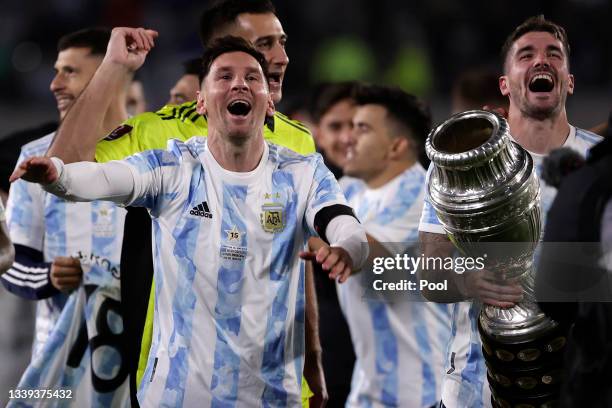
(126, 52)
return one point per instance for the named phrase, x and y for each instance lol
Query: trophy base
(528, 372)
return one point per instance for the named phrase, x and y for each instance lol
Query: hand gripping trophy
(485, 192)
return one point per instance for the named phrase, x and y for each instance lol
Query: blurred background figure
(477, 88)
(399, 341)
(186, 88)
(136, 101)
(332, 110)
(332, 113)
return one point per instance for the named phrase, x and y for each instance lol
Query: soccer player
(333, 114)
(332, 111)
(254, 20)
(399, 343)
(188, 85)
(537, 80)
(230, 212)
(56, 241)
(136, 102)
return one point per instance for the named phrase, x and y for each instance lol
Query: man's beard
(542, 112)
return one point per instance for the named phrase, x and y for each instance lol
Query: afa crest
(272, 217)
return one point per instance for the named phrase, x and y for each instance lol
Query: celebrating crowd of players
(203, 292)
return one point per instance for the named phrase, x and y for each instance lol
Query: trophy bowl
(484, 189)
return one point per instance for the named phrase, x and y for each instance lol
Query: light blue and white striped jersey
(84, 352)
(56, 227)
(68, 327)
(229, 286)
(465, 383)
(400, 346)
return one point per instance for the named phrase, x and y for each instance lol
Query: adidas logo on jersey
(201, 210)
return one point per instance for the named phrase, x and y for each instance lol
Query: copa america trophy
(485, 191)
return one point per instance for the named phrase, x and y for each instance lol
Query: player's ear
(201, 105)
(503, 85)
(270, 110)
(570, 85)
(399, 146)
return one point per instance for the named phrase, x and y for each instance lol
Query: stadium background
(420, 45)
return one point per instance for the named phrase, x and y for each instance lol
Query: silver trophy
(484, 189)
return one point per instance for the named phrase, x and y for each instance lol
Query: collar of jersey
(234, 177)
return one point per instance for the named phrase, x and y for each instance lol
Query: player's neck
(538, 136)
(242, 158)
(391, 171)
(115, 114)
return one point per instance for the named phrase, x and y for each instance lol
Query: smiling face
(74, 68)
(235, 98)
(368, 152)
(266, 33)
(334, 131)
(537, 78)
(185, 90)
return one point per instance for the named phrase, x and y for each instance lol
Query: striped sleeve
(28, 277)
(429, 220)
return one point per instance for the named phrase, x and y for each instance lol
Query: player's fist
(334, 260)
(66, 273)
(36, 170)
(130, 46)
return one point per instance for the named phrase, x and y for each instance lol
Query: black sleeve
(326, 214)
(28, 277)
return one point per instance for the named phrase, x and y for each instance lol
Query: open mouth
(274, 78)
(542, 82)
(239, 108)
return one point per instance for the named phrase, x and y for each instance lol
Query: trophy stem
(485, 190)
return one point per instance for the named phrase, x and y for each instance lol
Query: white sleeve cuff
(346, 232)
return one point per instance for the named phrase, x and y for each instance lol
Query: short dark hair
(222, 13)
(193, 66)
(479, 87)
(404, 109)
(227, 44)
(535, 24)
(330, 93)
(95, 38)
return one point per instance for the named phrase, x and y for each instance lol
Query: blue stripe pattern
(474, 372)
(283, 243)
(185, 236)
(421, 335)
(228, 310)
(386, 352)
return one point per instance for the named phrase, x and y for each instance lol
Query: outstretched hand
(36, 170)
(334, 260)
(130, 46)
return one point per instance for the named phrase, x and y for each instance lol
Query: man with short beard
(229, 286)
(253, 20)
(537, 82)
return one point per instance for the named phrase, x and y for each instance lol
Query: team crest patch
(118, 132)
(272, 217)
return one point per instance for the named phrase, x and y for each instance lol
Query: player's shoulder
(588, 137)
(351, 186)
(284, 157)
(186, 113)
(289, 133)
(37, 147)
